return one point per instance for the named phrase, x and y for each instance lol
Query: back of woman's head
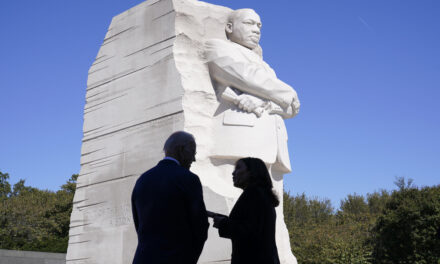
(259, 176)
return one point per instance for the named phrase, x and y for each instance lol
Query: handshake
(218, 218)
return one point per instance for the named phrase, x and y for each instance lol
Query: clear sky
(367, 73)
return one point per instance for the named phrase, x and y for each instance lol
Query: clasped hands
(250, 103)
(218, 220)
(253, 104)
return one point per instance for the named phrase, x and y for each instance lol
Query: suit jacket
(265, 137)
(251, 227)
(169, 215)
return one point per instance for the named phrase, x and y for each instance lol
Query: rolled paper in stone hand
(230, 96)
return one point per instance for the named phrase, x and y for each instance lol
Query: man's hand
(251, 104)
(218, 219)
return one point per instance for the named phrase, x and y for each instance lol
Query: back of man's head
(181, 146)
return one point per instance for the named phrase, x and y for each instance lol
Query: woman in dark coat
(251, 223)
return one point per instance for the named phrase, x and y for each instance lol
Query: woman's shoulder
(261, 195)
(256, 192)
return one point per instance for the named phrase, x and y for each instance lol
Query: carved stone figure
(254, 100)
(253, 104)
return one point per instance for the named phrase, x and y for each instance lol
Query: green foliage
(377, 201)
(5, 187)
(33, 219)
(318, 234)
(354, 206)
(305, 219)
(408, 230)
(398, 227)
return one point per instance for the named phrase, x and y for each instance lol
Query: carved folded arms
(246, 102)
(240, 69)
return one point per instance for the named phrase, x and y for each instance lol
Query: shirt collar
(173, 159)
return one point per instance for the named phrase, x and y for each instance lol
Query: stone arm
(254, 104)
(231, 70)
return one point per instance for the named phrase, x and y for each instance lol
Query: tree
(408, 230)
(33, 219)
(321, 235)
(354, 207)
(315, 235)
(377, 201)
(5, 187)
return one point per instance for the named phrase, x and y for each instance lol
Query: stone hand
(291, 111)
(295, 106)
(251, 104)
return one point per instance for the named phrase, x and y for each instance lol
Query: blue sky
(367, 74)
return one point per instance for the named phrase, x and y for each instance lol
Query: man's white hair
(178, 139)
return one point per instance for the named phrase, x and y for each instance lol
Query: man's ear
(180, 153)
(228, 28)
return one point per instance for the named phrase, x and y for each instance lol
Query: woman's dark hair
(259, 176)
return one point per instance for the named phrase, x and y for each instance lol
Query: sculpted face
(244, 28)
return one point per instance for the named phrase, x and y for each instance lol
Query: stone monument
(168, 65)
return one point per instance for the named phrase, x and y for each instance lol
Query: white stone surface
(253, 102)
(151, 78)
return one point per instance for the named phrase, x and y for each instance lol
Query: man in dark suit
(168, 209)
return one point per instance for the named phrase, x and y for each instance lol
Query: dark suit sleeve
(244, 220)
(134, 211)
(224, 228)
(198, 219)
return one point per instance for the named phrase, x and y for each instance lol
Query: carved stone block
(149, 79)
